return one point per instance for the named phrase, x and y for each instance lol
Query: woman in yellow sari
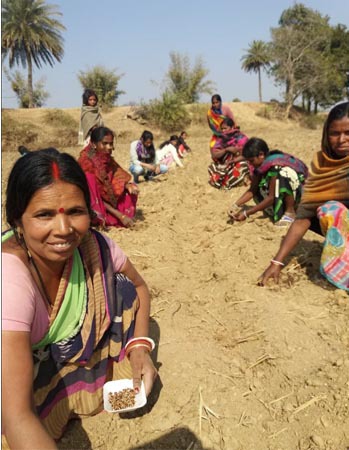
(324, 204)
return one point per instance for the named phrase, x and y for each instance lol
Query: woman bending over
(324, 204)
(143, 158)
(276, 183)
(167, 153)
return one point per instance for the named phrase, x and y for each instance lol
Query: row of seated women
(113, 191)
(285, 190)
(275, 178)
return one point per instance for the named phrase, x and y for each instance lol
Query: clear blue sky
(136, 37)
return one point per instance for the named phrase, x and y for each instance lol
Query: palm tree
(30, 35)
(257, 58)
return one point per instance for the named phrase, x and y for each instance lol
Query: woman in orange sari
(324, 206)
(113, 194)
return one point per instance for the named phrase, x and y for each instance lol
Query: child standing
(90, 116)
(276, 183)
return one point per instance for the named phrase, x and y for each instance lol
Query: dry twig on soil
(280, 398)
(261, 359)
(204, 412)
(308, 403)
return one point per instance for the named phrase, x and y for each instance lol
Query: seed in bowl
(126, 398)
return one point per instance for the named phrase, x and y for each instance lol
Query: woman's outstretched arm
(295, 233)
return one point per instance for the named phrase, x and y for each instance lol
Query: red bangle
(141, 340)
(133, 346)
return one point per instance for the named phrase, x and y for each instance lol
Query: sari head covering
(329, 175)
(215, 118)
(230, 138)
(90, 118)
(282, 159)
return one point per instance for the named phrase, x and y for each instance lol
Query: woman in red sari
(113, 194)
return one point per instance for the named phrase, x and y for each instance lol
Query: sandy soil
(240, 366)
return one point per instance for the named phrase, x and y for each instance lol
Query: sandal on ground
(285, 221)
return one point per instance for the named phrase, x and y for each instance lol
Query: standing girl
(215, 116)
(90, 116)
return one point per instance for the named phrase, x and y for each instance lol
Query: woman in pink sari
(229, 168)
(113, 194)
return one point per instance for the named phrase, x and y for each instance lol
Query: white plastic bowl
(119, 385)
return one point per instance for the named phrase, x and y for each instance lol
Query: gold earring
(19, 233)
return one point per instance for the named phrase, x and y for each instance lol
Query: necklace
(37, 271)
(42, 284)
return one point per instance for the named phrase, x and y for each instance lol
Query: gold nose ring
(71, 229)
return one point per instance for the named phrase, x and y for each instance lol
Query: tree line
(306, 56)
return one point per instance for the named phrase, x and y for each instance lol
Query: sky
(135, 37)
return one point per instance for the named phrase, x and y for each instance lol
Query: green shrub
(167, 113)
(236, 100)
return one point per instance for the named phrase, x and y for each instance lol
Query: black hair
(174, 137)
(183, 132)
(216, 97)
(254, 147)
(336, 113)
(146, 135)
(228, 121)
(34, 171)
(99, 133)
(87, 94)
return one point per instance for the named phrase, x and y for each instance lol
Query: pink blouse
(23, 307)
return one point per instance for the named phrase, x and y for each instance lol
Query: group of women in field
(285, 189)
(76, 313)
(113, 190)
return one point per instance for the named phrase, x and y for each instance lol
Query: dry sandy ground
(240, 366)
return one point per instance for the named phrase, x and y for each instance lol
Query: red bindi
(61, 210)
